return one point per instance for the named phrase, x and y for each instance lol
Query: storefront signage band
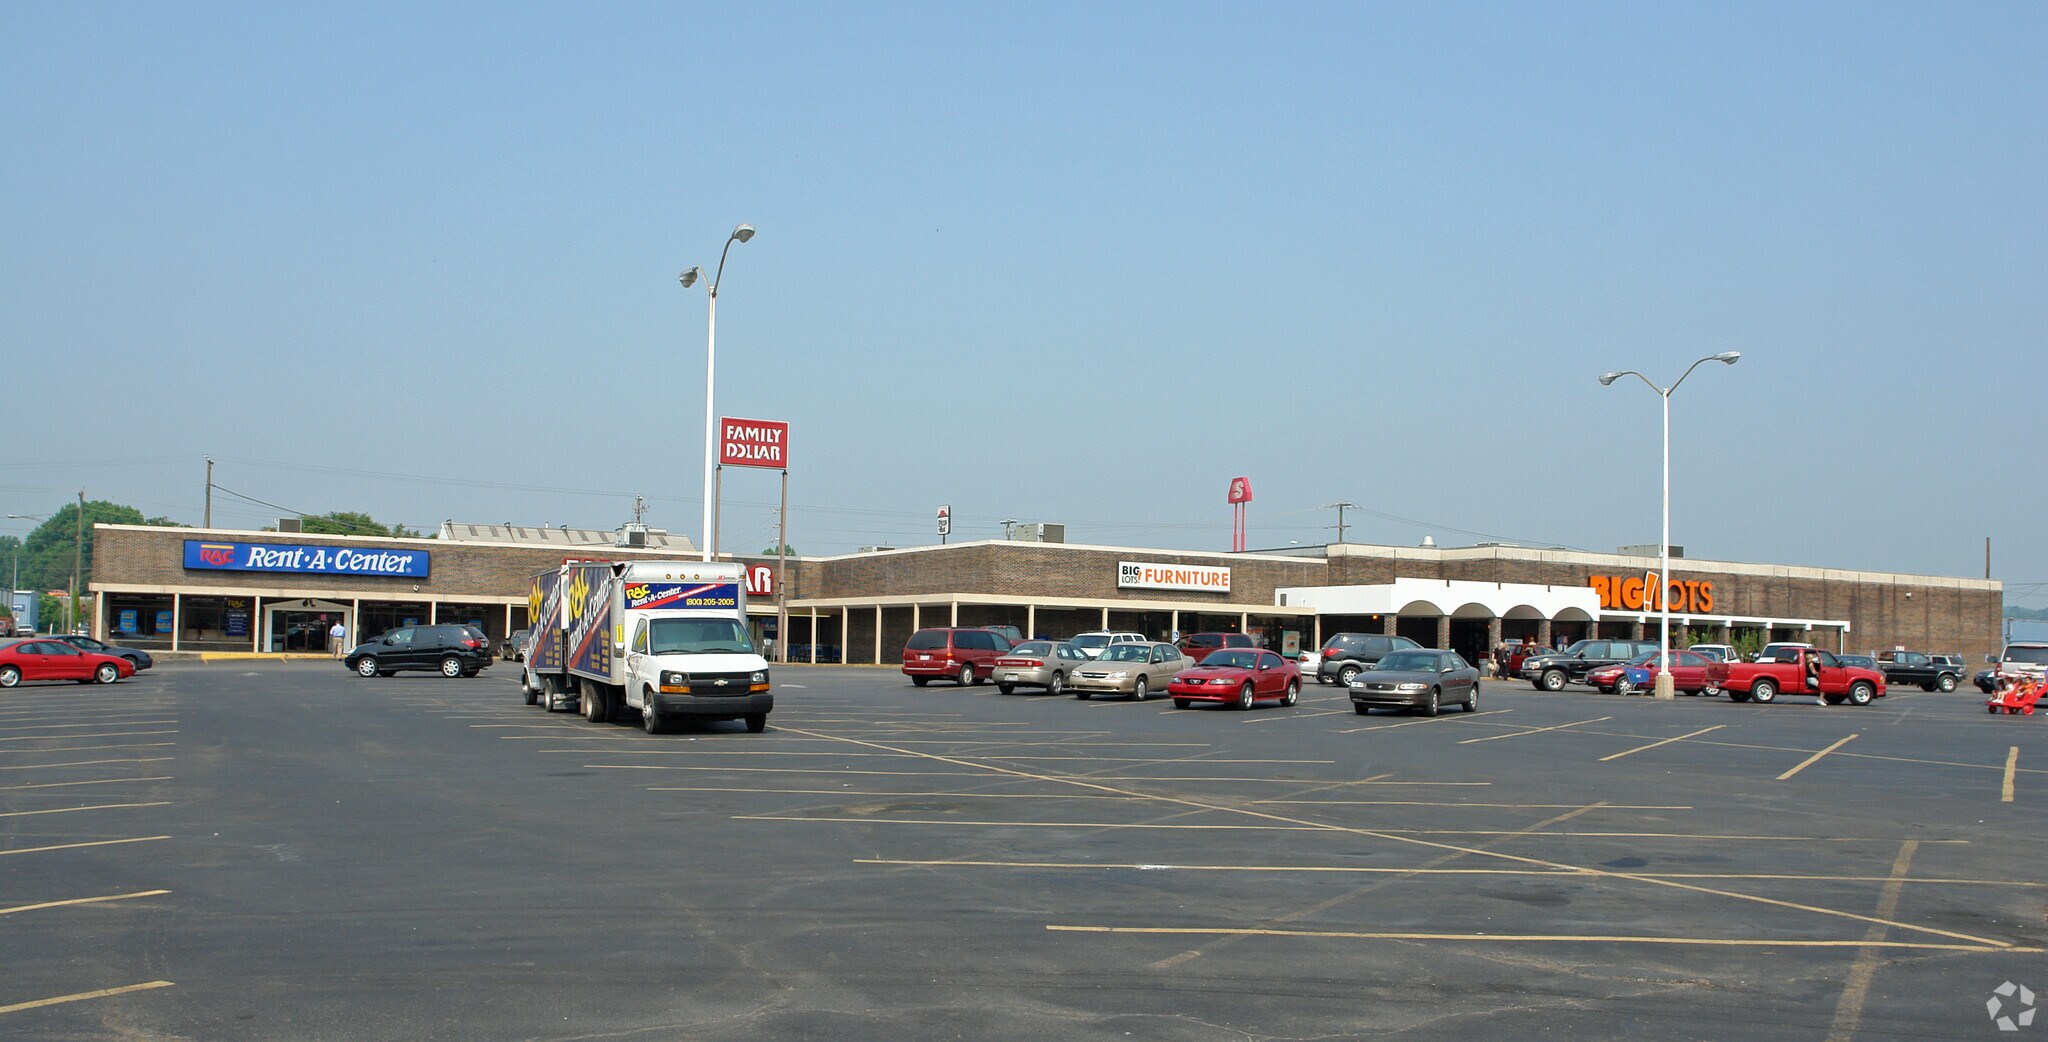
(1138, 575)
(1639, 593)
(308, 559)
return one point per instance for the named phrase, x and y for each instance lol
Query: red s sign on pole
(753, 443)
(1240, 494)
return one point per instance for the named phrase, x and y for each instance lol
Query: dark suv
(962, 655)
(452, 651)
(1348, 654)
(1570, 666)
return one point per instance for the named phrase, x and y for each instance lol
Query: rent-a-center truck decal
(588, 604)
(646, 595)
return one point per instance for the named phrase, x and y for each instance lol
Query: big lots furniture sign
(1141, 575)
(753, 443)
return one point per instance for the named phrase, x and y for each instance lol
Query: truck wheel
(649, 719)
(1763, 692)
(1859, 693)
(367, 667)
(1552, 680)
(1947, 683)
(594, 708)
(1738, 696)
(526, 687)
(757, 723)
(1712, 690)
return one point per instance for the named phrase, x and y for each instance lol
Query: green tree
(350, 522)
(786, 549)
(49, 553)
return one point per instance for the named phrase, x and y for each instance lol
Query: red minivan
(964, 656)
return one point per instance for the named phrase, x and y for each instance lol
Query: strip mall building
(197, 590)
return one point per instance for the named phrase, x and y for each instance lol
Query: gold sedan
(1131, 670)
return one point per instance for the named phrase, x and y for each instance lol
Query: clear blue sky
(1046, 262)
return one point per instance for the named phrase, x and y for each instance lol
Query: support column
(916, 618)
(433, 612)
(955, 623)
(1543, 632)
(1105, 618)
(355, 622)
(1176, 623)
(1387, 624)
(1030, 620)
(1635, 630)
(1244, 622)
(507, 631)
(256, 625)
(1443, 631)
(1724, 634)
(99, 614)
(1493, 639)
(878, 634)
(1316, 624)
(177, 619)
(814, 635)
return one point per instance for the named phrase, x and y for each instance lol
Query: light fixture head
(1729, 357)
(689, 278)
(1607, 379)
(744, 232)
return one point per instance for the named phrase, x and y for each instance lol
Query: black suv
(452, 651)
(1570, 666)
(1348, 654)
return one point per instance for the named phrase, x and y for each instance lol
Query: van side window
(640, 637)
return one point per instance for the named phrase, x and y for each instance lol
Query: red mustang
(56, 660)
(1238, 677)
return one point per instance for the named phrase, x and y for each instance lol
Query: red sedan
(55, 660)
(1238, 678)
(1691, 673)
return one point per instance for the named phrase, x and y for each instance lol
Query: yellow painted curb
(260, 656)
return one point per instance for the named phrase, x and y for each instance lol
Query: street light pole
(1664, 686)
(77, 563)
(741, 233)
(15, 587)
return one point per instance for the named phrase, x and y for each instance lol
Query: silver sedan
(1423, 680)
(1038, 663)
(1132, 670)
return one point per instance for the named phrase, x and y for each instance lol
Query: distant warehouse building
(189, 589)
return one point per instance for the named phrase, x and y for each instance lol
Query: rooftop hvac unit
(290, 524)
(1041, 532)
(632, 535)
(874, 549)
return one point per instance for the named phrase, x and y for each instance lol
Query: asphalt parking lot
(293, 852)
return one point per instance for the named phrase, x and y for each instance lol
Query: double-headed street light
(1664, 686)
(16, 584)
(689, 278)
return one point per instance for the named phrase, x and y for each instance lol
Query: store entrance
(301, 626)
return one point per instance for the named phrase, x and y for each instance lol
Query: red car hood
(1213, 672)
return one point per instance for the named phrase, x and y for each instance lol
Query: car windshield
(1090, 641)
(1127, 653)
(2033, 656)
(1408, 661)
(1239, 659)
(697, 636)
(1033, 647)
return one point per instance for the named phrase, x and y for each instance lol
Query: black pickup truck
(1552, 672)
(1912, 667)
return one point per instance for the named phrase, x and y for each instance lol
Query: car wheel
(1552, 680)
(649, 719)
(367, 667)
(1006, 688)
(967, 674)
(451, 666)
(1081, 695)
(1738, 696)
(919, 681)
(1472, 700)
(757, 723)
(1859, 694)
(1244, 696)
(1346, 675)
(9, 676)
(1763, 691)
(1712, 690)
(1430, 708)
(1182, 703)
(1139, 690)
(1361, 709)
(1946, 684)
(1320, 678)
(1622, 686)
(1293, 694)
(107, 673)
(1058, 684)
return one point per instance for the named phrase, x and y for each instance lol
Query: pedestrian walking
(337, 635)
(1813, 677)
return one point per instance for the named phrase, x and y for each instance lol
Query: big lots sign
(1639, 593)
(753, 443)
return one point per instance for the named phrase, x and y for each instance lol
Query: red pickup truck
(1765, 680)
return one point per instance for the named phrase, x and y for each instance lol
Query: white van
(2023, 658)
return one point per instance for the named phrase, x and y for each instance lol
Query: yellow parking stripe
(74, 810)
(1427, 720)
(74, 846)
(1667, 741)
(1811, 760)
(2012, 762)
(81, 763)
(1539, 730)
(1551, 938)
(68, 737)
(82, 901)
(83, 995)
(96, 781)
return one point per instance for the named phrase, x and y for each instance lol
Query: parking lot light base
(1664, 688)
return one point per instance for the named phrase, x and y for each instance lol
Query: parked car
(1690, 673)
(6, 626)
(46, 659)
(1237, 677)
(450, 650)
(965, 656)
(1781, 651)
(2023, 658)
(513, 648)
(1716, 652)
(1199, 646)
(1861, 661)
(1421, 680)
(1912, 667)
(1987, 681)
(1009, 633)
(1348, 654)
(1785, 672)
(1516, 654)
(1954, 662)
(1553, 671)
(1135, 670)
(1038, 663)
(1093, 642)
(136, 656)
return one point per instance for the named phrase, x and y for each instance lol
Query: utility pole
(1987, 557)
(639, 509)
(77, 560)
(208, 522)
(1340, 506)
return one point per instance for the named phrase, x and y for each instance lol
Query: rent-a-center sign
(753, 443)
(297, 557)
(1141, 575)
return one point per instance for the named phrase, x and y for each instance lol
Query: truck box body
(668, 638)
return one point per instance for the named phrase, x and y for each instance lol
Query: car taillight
(1023, 663)
(472, 643)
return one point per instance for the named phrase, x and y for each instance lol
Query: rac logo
(216, 555)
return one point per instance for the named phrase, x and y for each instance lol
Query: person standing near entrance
(338, 636)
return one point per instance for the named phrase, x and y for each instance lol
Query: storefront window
(379, 616)
(138, 620)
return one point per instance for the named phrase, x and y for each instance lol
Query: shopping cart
(2015, 695)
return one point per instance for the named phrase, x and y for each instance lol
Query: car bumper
(1363, 697)
(1024, 677)
(714, 707)
(931, 669)
(1077, 682)
(1204, 692)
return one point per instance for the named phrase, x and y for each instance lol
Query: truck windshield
(697, 636)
